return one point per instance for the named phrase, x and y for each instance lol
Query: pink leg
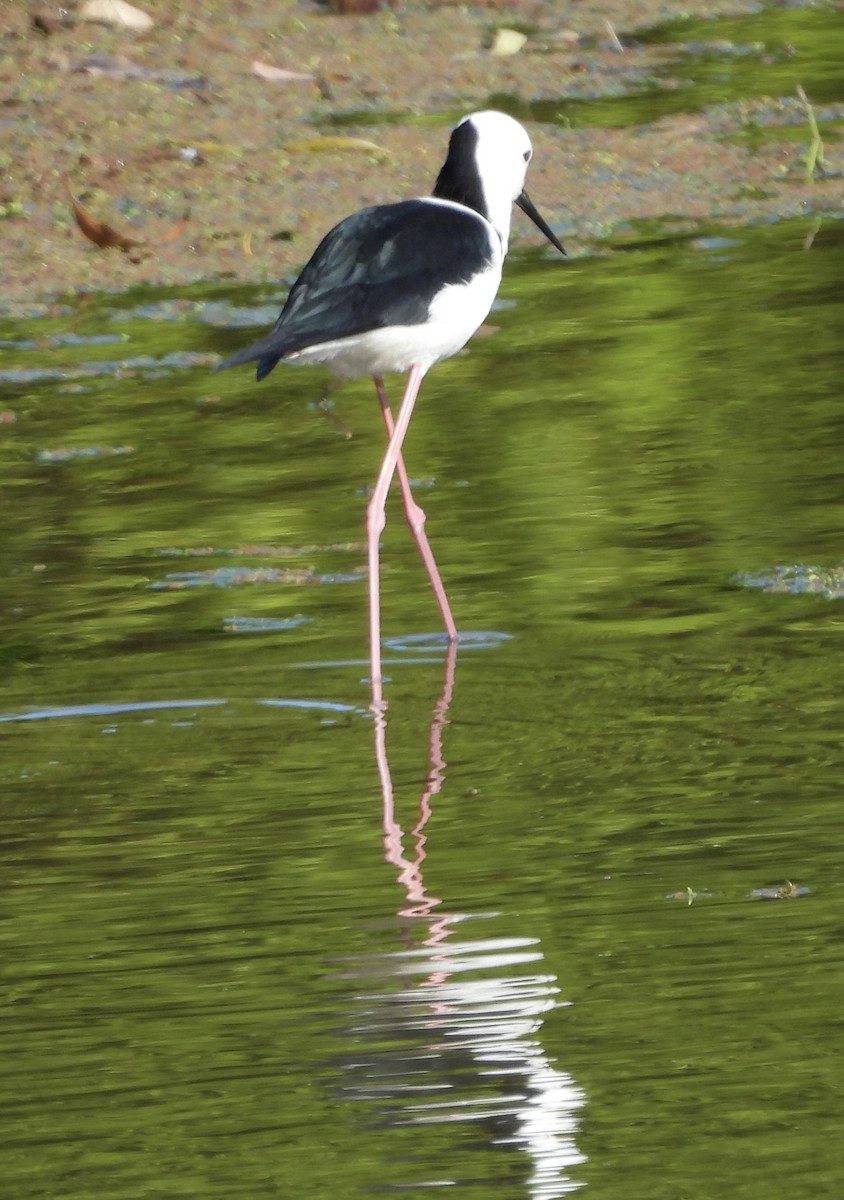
(375, 523)
(416, 520)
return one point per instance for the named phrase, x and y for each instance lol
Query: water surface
(572, 919)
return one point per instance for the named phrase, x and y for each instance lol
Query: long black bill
(530, 210)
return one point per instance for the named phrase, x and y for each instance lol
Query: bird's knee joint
(416, 518)
(375, 519)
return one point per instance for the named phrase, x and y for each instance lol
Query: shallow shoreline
(176, 143)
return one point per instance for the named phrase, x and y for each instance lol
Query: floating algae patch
(797, 580)
(66, 453)
(257, 551)
(224, 577)
(263, 624)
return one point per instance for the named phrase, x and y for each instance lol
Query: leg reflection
(447, 1029)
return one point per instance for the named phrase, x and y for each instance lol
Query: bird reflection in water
(457, 1042)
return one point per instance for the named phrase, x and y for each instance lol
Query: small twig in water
(614, 38)
(326, 407)
(815, 153)
(810, 236)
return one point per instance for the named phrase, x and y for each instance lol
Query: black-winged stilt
(400, 287)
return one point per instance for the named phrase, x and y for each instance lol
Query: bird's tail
(265, 352)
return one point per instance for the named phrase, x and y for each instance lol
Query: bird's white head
(488, 157)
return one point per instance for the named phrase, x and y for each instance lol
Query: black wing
(381, 266)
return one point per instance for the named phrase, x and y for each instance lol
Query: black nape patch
(459, 179)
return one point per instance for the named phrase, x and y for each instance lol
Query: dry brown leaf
(175, 231)
(98, 231)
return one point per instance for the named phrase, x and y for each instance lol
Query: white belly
(455, 314)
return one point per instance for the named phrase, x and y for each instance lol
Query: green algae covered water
(572, 919)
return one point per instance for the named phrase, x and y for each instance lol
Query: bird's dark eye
(526, 156)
